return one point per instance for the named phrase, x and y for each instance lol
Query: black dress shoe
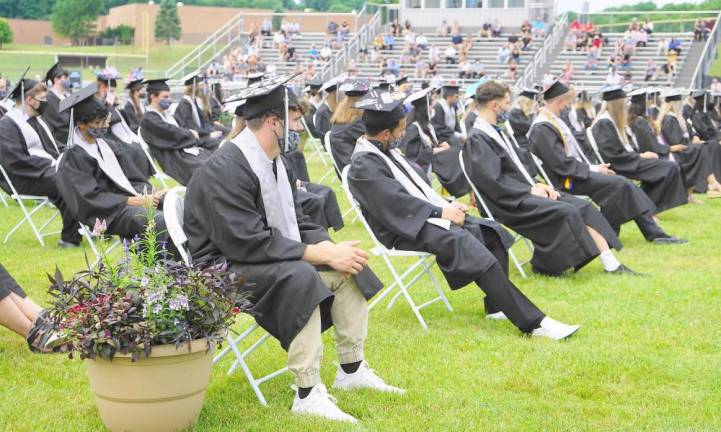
(62, 244)
(538, 271)
(669, 240)
(623, 270)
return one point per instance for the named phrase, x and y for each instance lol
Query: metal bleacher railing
(708, 56)
(550, 43)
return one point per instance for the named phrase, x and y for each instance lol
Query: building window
(516, 3)
(433, 4)
(496, 3)
(454, 4)
(473, 4)
(413, 4)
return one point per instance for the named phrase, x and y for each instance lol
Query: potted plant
(146, 328)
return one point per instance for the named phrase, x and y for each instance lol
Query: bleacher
(595, 79)
(485, 49)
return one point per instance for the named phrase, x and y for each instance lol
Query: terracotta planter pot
(163, 392)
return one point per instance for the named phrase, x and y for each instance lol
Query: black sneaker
(669, 240)
(62, 244)
(623, 270)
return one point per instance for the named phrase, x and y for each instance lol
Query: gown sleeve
(15, 157)
(547, 144)
(162, 135)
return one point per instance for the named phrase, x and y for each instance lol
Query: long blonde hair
(526, 105)
(472, 107)
(345, 113)
(331, 100)
(238, 126)
(584, 103)
(616, 109)
(199, 94)
(672, 108)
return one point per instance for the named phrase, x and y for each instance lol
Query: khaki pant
(350, 323)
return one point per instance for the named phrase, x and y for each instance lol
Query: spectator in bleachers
(455, 28)
(504, 54)
(626, 67)
(629, 43)
(512, 69)
(497, 29)
(395, 27)
(526, 27)
(434, 55)
(571, 42)
(432, 69)
(465, 69)
(407, 27)
(485, 30)
(313, 52)
(422, 42)
(662, 47)
(675, 45)
(614, 78)
(421, 69)
(295, 28)
(526, 40)
(408, 56)
(409, 39)
(443, 29)
(591, 59)
(456, 39)
(326, 53)
(388, 42)
(648, 26)
(332, 28)
(266, 28)
(376, 55)
(539, 28)
(641, 39)
(597, 42)
(651, 70)
(393, 67)
(698, 30)
(715, 86)
(515, 54)
(345, 29)
(567, 75)
(451, 55)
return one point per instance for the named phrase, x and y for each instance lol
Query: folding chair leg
(517, 263)
(28, 218)
(404, 291)
(437, 286)
(3, 200)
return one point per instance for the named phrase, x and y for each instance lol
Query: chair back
(173, 211)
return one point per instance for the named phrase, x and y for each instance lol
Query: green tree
(75, 19)
(6, 34)
(167, 23)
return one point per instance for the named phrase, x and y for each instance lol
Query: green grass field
(15, 58)
(646, 358)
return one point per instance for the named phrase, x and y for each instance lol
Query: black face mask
(98, 132)
(41, 107)
(142, 95)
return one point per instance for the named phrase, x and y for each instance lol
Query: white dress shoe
(497, 316)
(555, 330)
(364, 377)
(320, 403)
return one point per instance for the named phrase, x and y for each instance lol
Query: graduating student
(406, 214)
(193, 112)
(241, 207)
(698, 162)
(97, 178)
(660, 179)
(567, 232)
(134, 107)
(178, 150)
(119, 131)
(579, 117)
(321, 119)
(519, 119)
(29, 154)
(312, 98)
(346, 122)
(569, 170)
(702, 121)
(59, 81)
(445, 116)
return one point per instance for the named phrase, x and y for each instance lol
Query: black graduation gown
(687, 112)
(443, 132)
(619, 199)
(225, 219)
(184, 116)
(470, 119)
(556, 228)
(33, 175)
(59, 122)
(166, 143)
(704, 126)
(343, 138)
(647, 140)
(322, 198)
(2, 111)
(416, 150)
(131, 117)
(399, 218)
(321, 121)
(92, 195)
(520, 124)
(697, 161)
(133, 149)
(309, 114)
(660, 179)
(585, 122)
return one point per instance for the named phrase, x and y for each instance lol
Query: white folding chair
(40, 202)
(517, 237)
(333, 170)
(173, 210)
(159, 174)
(2, 198)
(314, 145)
(424, 262)
(90, 238)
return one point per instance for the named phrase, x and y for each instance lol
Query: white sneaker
(320, 403)
(555, 330)
(497, 316)
(364, 377)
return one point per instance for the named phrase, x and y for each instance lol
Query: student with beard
(571, 171)
(660, 179)
(407, 214)
(567, 232)
(240, 207)
(30, 156)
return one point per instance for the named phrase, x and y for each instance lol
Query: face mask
(165, 104)
(98, 132)
(66, 84)
(3, 93)
(502, 117)
(293, 139)
(41, 107)
(279, 136)
(142, 95)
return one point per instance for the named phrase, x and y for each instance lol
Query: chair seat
(380, 250)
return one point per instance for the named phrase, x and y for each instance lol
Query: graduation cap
(402, 80)
(235, 107)
(313, 84)
(82, 102)
(23, 84)
(192, 78)
(450, 88)
(331, 85)
(54, 72)
(419, 97)
(529, 93)
(135, 84)
(555, 89)
(356, 87)
(156, 85)
(110, 75)
(672, 95)
(698, 94)
(255, 77)
(612, 93)
(638, 95)
(382, 108)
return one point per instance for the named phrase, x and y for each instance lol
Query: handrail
(539, 59)
(707, 55)
(359, 40)
(197, 51)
